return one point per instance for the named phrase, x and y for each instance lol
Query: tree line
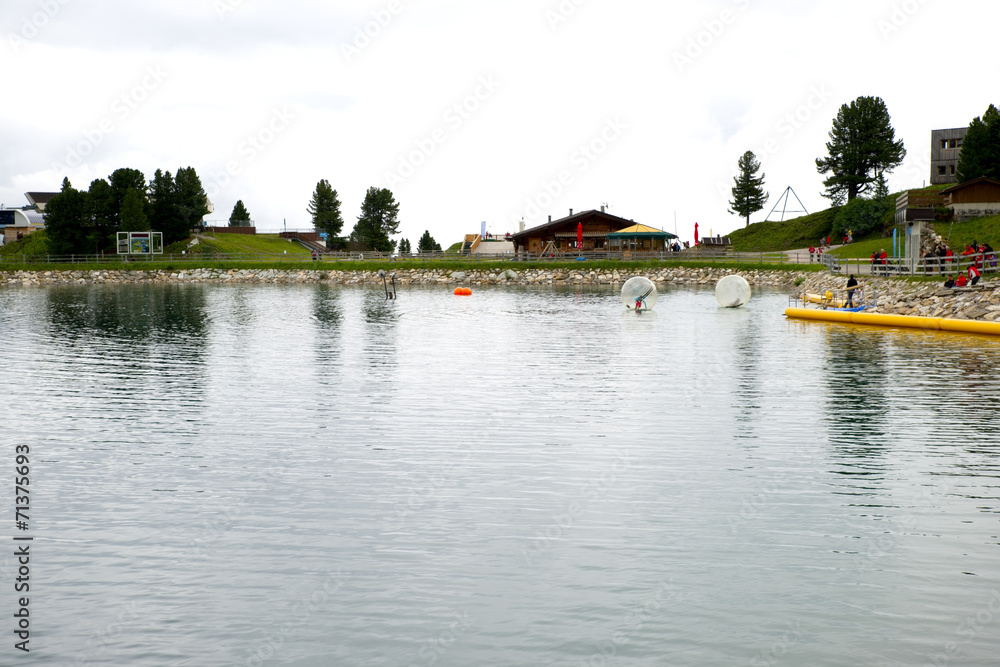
(86, 221)
(861, 151)
(378, 222)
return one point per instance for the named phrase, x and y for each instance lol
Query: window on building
(951, 169)
(944, 144)
(959, 143)
(942, 171)
(953, 143)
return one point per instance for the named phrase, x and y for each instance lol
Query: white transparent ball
(641, 289)
(732, 292)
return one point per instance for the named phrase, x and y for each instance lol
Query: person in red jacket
(884, 257)
(973, 274)
(960, 281)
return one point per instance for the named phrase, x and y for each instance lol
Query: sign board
(140, 243)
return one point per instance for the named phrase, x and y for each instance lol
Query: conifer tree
(748, 191)
(324, 207)
(240, 217)
(862, 145)
(980, 154)
(378, 221)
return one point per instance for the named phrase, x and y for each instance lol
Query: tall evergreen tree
(122, 180)
(164, 208)
(404, 247)
(324, 207)
(133, 214)
(240, 217)
(862, 145)
(378, 221)
(66, 222)
(748, 191)
(191, 199)
(427, 243)
(101, 214)
(980, 154)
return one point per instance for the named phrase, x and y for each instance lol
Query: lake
(313, 475)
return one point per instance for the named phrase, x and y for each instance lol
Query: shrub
(864, 217)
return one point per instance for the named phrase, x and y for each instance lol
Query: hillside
(36, 243)
(239, 244)
(801, 232)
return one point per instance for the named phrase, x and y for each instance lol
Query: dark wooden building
(977, 198)
(560, 235)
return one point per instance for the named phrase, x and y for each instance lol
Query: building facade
(946, 146)
(560, 235)
(977, 198)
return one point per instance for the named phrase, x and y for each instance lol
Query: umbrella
(579, 235)
(696, 234)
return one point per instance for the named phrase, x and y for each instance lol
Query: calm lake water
(264, 475)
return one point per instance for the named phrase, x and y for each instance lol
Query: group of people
(879, 261)
(962, 281)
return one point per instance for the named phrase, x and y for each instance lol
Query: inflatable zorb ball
(732, 292)
(639, 294)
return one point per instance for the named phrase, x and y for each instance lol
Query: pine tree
(66, 222)
(133, 215)
(881, 187)
(862, 145)
(164, 208)
(121, 181)
(240, 217)
(980, 154)
(191, 200)
(427, 244)
(748, 191)
(404, 247)
(378, 220)
(101, 214)
(324, 207)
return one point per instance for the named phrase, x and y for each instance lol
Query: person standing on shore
(851, 282)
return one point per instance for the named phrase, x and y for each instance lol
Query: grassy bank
(801, 232)
(239, 244)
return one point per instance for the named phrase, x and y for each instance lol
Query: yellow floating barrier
(903, 321)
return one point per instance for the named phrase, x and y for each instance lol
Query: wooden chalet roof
(582, 216)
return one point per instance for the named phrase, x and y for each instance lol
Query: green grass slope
(801, 232)
(239, 244)
(981, 230)
(36, 243)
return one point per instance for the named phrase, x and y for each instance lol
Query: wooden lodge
(977, 198)
(558, 236)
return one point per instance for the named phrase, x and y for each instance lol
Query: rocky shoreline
(539, 276)
(896, 296)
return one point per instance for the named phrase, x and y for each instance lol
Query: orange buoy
(466, 291)
(459, 291)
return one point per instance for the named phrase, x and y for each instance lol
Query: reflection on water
(315, 475)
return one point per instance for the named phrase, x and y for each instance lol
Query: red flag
(579, 235)
(696, 234)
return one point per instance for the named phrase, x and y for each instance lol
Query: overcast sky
(478, 110)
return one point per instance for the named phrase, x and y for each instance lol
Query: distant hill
(800, 232)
